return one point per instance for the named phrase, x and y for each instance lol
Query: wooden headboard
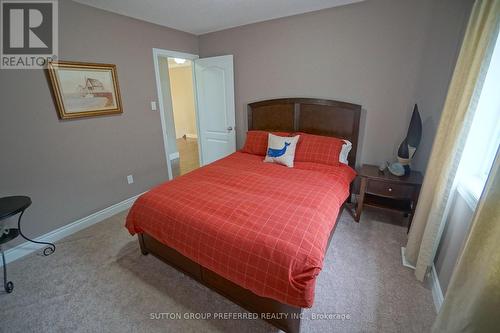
(308, 115)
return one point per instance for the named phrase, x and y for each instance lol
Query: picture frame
(84, 89)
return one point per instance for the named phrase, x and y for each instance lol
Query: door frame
(173, 54)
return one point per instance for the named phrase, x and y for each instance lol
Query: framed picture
(84, 89)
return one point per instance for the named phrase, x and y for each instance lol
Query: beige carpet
(97, 281)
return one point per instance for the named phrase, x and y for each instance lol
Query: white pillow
(344, 153)
(281, 149)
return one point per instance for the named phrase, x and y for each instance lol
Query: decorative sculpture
(409, 146)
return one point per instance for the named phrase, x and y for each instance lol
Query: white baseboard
(26, 248)
(437, 292)
(192, 136)
(403, 259)
(173, 156)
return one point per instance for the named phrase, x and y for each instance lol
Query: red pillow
(318, 149)
(256, 142)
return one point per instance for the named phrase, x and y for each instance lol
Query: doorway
(196, 102)
(177, 104)
(186, 158)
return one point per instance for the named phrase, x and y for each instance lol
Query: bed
(255, 232)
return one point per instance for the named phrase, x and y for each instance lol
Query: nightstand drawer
(390, 190)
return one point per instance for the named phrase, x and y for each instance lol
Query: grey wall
(447, 26)
(74, 168)
(371, 53)
(454, 234)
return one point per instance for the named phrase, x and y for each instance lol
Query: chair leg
(47, 251)
(7, 285)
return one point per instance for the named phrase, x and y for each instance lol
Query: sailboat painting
(83, 90)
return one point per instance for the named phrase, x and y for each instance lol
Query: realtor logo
(29, 33)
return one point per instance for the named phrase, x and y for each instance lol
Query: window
(484, 135)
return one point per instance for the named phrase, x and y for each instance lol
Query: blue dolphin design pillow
(277, 152)
(281, 149)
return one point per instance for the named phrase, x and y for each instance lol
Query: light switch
(130, 179)
(153, 105)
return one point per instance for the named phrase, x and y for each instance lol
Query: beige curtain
(427, 224)
(472, 302)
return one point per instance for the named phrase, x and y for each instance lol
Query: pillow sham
(256, 142)
(344, 153)
(281, 149)
(318, 149)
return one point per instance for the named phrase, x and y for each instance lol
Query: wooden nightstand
(384, 190)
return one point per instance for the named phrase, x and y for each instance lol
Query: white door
(215, 101)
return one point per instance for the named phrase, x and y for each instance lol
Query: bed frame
(315, 116)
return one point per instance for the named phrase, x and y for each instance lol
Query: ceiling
(203, 16)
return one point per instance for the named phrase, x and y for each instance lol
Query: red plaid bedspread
(260, 225)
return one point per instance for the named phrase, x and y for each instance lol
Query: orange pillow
(318, 149)
(256, 142)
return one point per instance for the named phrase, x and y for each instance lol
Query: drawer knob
(390, 189)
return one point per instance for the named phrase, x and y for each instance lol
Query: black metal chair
(11, 206)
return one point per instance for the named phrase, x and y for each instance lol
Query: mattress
(260, 225)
